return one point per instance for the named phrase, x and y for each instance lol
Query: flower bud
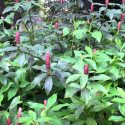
(88, 21)
(17, 1)
(74, 47)
(86, 69)
(44, 104)
(2, 18)
(122, 17)
(56, 25)
(17, 38)
(40, 19)
(106, 3)
(61, 32)
(8, 121)
(48, 61)
(123, 1)
(119, 26)
(11, 27)
(92, 8)
(28, 0)
(94, 51)
(19, 115)
(61, 1)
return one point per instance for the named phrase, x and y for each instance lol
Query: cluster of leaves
(84, 99)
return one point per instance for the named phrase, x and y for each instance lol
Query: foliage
(61, 89)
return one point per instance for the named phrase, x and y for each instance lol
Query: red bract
(17, 1)
(86, 69)
(48, 60)
(56, 25)
(106, 3)
(17, 38)
(40, 19)
(2, 18)
(94, 51)
(8, 121)
(92, 8)
(61, 1)
(74, 47)
(122, 17)
(88, 21)
(44, 104)
(119, 26)
(123, 1)
(61, 32)
(19, 115)
(28, 0)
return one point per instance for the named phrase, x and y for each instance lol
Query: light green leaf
(32, 115)
(66, 31)
(52, 100)
(73, 78)
(12, 92)
(97, 35)
(119, 100)
(122, 109)
(121, 92)
(91, 121)
(91, 63)
(83, 80)
(116, 118)
(89, 50)
(36, 105)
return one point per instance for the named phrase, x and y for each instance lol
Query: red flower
(61, 32)
(106, 3)
(61, 1)
(17, 38)
(8, 121)
(44, 104)
(122, 17)
(40, 19)
(119, 26)
(92, 8)
(88, 21)
(56, 25)
(86, 69)
(94, 51)
(123, 1)
(74, 47)
(19, 115)
(48, 61)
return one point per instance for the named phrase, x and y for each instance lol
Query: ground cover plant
(62, 63)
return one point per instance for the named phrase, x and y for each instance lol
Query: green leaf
(66, 31)
(114, 70)
(80, 33)
(1, 98)
(71, 91)
(73, 78)
(91, 121)
(97, 35)
(24, 84)
(116, 118)
(21, 59)
(21, 74)
(91, 63)
(102, 77)
(48, 85)
(100, 107)
(122, 109)
(15, 102)
(121, 92)
(83, 80)
(52, 100)
(24, 119)
(44, 119)
(119, 100)
(89, 50)
(123, 123)
(32, 115)
(118, 42)
(39, 78)
(78, 111)
(58, 107)
(74, 85)
(36, 105)
(12, 92)
(8, 9)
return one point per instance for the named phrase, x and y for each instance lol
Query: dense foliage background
(63, 63)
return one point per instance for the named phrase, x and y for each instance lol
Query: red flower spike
(123, 1)
(48, 61)
(61, 32)
(86, 69)
(40, 19)
(119, 26)
(8, 121)
(19, 115)
(17, 1)
(122, 17)
(88, 21)
(61, 1)
(17, 38)
(44, 104)
(28, 0)
(94, 51)
(56, 25)
(92, 8)
(106, 3)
